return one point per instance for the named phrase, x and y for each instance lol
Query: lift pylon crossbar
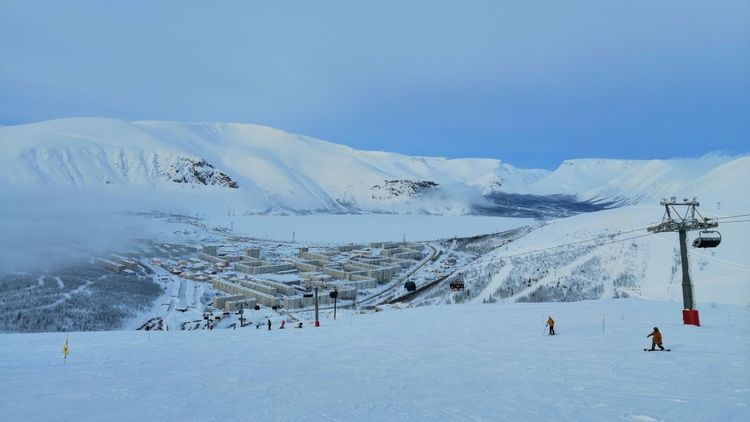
(674, 221)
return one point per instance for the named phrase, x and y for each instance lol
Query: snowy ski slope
(471, 362)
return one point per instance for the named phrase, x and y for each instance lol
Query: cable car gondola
(410, 286)
(707, 239)
(456, 285)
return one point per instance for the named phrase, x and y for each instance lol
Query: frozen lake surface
(348, 228)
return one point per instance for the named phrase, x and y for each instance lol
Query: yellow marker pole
(65, 350)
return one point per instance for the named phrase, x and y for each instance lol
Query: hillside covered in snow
(603, 255)
(84, 188)
(474, 362)
(256, 169)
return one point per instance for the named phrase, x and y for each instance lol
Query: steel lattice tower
(675, 221)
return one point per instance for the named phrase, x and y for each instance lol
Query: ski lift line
(593, 239)
(574, 243)
(728, 276)
(666, 287)
(734, 216)
(678, 285)
(623, 240)
(712, 258)
(576, 249)
(658, 287)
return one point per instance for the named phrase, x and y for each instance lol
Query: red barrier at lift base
(690, 317)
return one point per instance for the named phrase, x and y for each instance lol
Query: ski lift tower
(675, 221)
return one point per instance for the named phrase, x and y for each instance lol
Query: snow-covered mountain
(634, 181)
(271, 168)
(262, 169)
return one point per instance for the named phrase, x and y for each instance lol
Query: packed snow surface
(466, 362)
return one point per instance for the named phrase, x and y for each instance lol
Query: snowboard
(657, 350)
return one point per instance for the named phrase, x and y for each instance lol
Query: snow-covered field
(469, 362)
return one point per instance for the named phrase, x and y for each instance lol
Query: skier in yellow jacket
(551, 325)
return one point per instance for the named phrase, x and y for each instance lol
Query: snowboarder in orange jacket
(656, 340)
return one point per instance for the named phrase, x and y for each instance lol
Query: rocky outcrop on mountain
(391, 189)
(192, 171)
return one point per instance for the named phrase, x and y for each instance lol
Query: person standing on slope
(551, 325)
(656, 340)
(269, 324)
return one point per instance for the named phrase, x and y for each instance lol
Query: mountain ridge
(273, 169)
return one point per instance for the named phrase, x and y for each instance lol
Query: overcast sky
(529, 82)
